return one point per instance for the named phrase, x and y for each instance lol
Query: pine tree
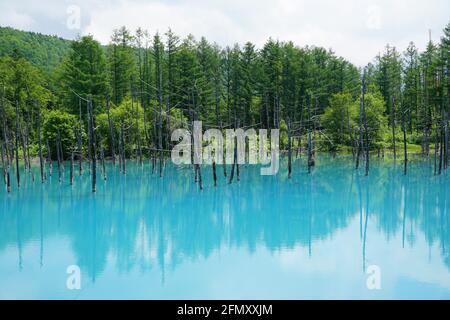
(122, 64)
(85, 72)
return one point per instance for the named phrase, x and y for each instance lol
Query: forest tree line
(134, 91)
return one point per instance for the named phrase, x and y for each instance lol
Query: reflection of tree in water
(140, 221)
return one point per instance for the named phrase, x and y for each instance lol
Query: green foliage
(388, 78)
(376, 119)
(178, 119)
(173, 81)
(21, 83)
(55, 121)
(339, 120)
(122, 64)
(126, 114)
(44, 51)
(85, 73)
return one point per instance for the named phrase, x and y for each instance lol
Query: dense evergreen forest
(65, 99)
(45, 52)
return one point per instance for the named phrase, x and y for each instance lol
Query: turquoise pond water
(266, 237)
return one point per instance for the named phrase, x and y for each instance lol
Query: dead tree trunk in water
(234, 161)
(3, 163)
(61, 152)
(238, 169)
(58, 155)
(393, 127)
(17, 144)
(436, 145)
(80, 151)
(4, 141)
(158, 77)
(122, 146)
(298, 152)
(5, 170)
(49, 158)
(441, 152)
(79, 135)
(214, 173)
(120, 151)
(5, 149)
(441, 141)
(138, 136)
(161, 163)
(89, 132)
(311, 160)
(24, 148)
(238, 172)
(405, 151)
(195, 173)
(300, 132)
(8, 180)
(93, 146)
(224, 165)
(366, 131)
(289, 149)
(200, 181)
(359, 145)
(235, 165)
(427, 121)
(111, 133)
(41, 160)
(102, 155)
(71, 168)
(446, 134)
(196, 155)
(27, 141)
(350, 132)
(153, 161)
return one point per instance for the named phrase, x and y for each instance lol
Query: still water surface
(266, 237)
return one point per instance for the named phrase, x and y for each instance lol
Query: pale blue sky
(354, 29)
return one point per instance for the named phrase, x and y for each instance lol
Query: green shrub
(55, 120)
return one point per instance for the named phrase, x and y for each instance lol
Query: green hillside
(44, 51)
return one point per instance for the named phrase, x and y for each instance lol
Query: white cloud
(373, 18)
(16, 19)
(354, 29)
